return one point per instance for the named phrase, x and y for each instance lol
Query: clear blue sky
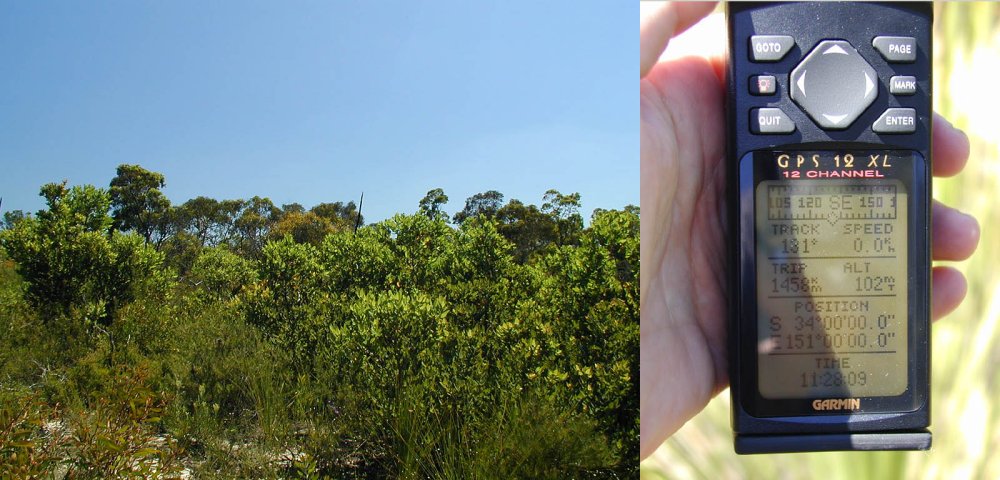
(318, 101)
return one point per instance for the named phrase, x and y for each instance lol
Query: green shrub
(407, 349)
(286, 303)
(358, 261)
(68, 260)
(220, 274)
(58, 260)
(589, 304)
(226, 375)
(181, 251)
(417, 244)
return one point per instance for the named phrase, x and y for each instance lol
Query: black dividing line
(830, 258)
(831, 353)
(832, 296)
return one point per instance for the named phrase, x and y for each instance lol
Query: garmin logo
(837, 404)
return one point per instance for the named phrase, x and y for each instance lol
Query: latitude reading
(832, 287)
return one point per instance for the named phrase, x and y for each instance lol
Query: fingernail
(975, 231)
(971, 222)
(972, 219)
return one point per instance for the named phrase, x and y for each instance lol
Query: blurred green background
(966, 344)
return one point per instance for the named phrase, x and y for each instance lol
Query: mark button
(900, 85)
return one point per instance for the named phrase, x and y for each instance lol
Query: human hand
(683, 286)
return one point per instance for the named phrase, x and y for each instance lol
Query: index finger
(949, 148)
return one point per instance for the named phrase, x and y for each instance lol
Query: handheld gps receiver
(829, 117)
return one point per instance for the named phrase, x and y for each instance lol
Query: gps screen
(831, 256)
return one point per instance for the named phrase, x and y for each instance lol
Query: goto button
(770, 120)
(770, 48)
(896, 49)
(896, 120)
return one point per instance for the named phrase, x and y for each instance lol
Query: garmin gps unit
(829, 118)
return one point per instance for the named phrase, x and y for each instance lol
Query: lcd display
(832, 280)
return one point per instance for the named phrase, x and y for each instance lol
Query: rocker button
(833, 84)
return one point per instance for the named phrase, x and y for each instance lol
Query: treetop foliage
(431, 204)
(136, 199)
(138, 205)
(486, 204)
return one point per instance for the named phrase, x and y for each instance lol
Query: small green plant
(306, 468)
(118, 436)
(31, 440)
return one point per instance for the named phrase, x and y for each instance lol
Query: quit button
(770, 120)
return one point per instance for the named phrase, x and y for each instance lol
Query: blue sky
(318, 101)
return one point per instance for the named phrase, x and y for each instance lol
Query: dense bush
(590, 299)
(221, 274)
(225, 376)
(505, 346)
(70, 259)
(286, 303)
(451, 318)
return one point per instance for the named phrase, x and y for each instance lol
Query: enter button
(896, 120)
(900, 85)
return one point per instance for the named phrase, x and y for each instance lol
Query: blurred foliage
(966, 344)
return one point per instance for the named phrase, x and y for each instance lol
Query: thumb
(657, 30)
